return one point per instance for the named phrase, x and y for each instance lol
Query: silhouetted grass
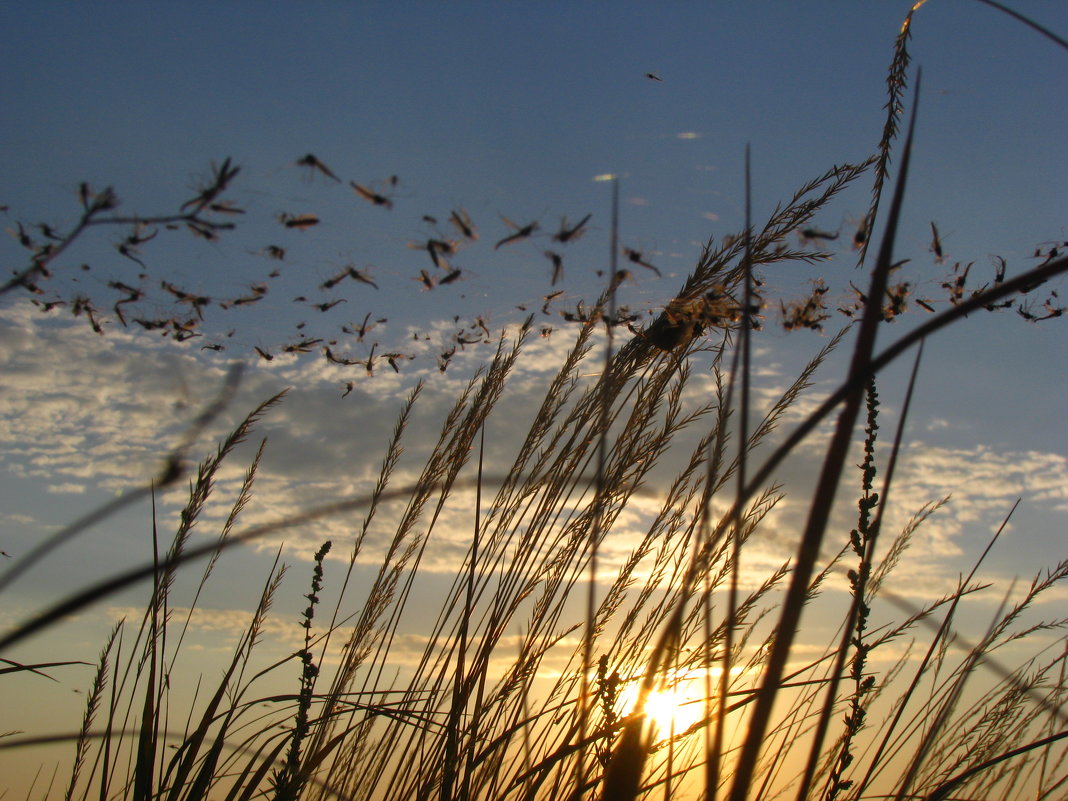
(564, 716)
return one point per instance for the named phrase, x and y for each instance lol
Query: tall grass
(558, 710)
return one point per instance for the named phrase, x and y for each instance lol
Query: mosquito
(426, 279)
(462, 220)
(196, 301)
(348, 272)
(328, 305)
(365, 326)
(936, 245)
(47, 305)
(445, 358)
(274, 252)
(132, 296)
(372, 196)
(566, 234)
(860, 238)
(815, 235)
(438, 249)
(334, 358)
(258, 293)
(301, 346)
(299, 221)
(225, 207)
(558, 266)
(549, 299)
(451, 276)
(637, 258)
(520, 232)
(369, 362)
(313, 164)
(393, 357)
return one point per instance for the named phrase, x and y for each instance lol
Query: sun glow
(669, 709)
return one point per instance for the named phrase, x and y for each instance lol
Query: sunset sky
(502, 110)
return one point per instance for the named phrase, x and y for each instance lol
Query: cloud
(68, 488)
(123, 401)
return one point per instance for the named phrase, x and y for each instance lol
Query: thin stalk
(604, 419)
(823, 498)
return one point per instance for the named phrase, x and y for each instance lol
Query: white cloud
(124, 401)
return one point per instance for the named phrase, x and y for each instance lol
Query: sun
(673, 709)
(670, 709)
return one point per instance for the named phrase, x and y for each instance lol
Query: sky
(494, 111)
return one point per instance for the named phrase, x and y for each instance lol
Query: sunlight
(680, 706)
(670, 707)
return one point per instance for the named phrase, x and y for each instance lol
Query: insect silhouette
(520, 232)
(328, 305)
(129, 246)
(221, 177)
(1053, 251)
(445, 358)
(225, 207)
(196, 301)
(566, 234)
(301, 346)
(426, 279)
(274, 252)
(47, 305)
(451, 276)
(334, 280)
(438, 249)
(372, 196)
(636, 257)
(151, 325)
(47, 231)
(314, 165)
(558, 266)
(955, 287)
(263, 354)
(335, 359)
(462, 220)
(816, 235)
(652, 76)
(393, 357)
(549, 299)
(860, 238)
(365, 326)
(23, 238)
(936, 245)
(82, 304)
(369, 362)
(362, 277)
(259, 291)
(132, 296)
(348, 272)
(184, 329)
(299, 221)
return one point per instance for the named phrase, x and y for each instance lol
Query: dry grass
(832, 726)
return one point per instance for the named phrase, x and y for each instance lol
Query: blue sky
(502, 110)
